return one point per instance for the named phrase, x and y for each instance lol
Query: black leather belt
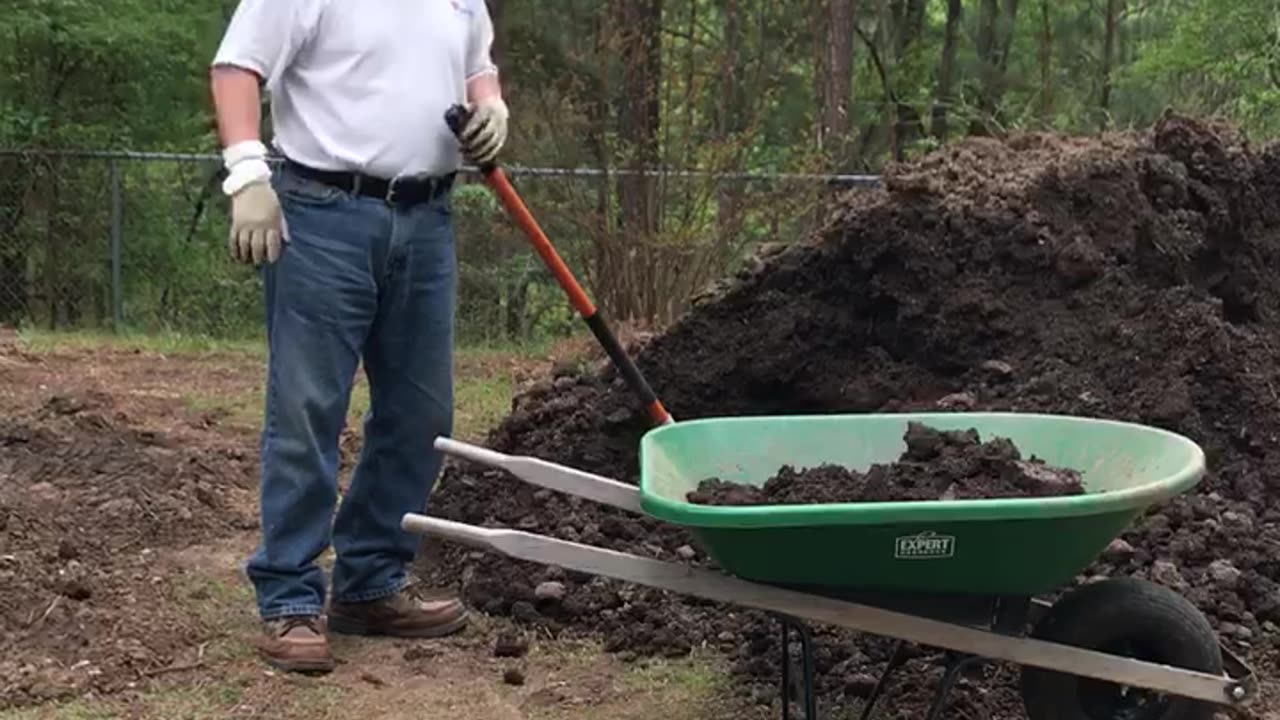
(406, 190)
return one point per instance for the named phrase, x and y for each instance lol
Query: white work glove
(486, 130)
(257, 224)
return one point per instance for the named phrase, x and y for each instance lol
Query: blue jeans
(358, 279)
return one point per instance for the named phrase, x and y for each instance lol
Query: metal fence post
(117, 230)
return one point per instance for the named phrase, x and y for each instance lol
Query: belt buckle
(390, 197)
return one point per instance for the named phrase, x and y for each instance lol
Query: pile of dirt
(86, 504)
(1132, 277)
(937, 465)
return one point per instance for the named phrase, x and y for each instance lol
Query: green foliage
(738, 89)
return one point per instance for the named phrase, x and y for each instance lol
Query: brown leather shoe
(401, 615)
(296, 644)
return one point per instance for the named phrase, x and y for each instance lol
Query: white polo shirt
(363, 84)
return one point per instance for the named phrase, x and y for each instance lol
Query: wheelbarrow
(963, 576)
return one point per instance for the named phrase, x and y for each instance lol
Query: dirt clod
(550, 591)
(513, 676)
(510, 645)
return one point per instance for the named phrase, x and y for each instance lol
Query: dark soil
(1135, 277)
(937, 465)
(86, 503)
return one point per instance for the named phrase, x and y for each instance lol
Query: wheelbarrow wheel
(1132, 618)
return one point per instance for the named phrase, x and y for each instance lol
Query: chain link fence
(136, 242)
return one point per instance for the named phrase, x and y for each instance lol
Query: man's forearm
(483, 86)
(236, 103)
(236, 100)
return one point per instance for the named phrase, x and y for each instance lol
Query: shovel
(456, 117)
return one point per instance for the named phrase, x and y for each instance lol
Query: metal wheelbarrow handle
(717, 587)
(549, 475)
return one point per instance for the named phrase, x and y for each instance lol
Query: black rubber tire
(1128, 617)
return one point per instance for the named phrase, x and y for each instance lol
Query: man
(354, 238)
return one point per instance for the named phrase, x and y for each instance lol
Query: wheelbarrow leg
(956, 664)
(897, 660)
(809, 697)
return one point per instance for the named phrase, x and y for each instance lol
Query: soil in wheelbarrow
(1134, 276)
(937, 465)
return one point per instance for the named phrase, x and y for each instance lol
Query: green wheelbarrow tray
(990, 547)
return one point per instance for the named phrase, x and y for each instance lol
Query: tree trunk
(1046, 64)
(996, 24)
(732, 120)
(836, 80)
(946, 71)
(639, 117)
(1114, 7)
(908, 23)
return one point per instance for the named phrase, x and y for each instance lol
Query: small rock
(1237, 521)
(66, 550)
(1118, 551)
(76, 589)
(861, 685)
(513, 676)
(686, 553)
(619, 416)
(1166, 573)
(958, 401)
(372, 679)
(1224, 573)
(510, 644)
(553, 572)
(726, 636)
(542, 495)
(565, 368)
(998, 368)
(550, 590)
(415, 653)
(1157, 523)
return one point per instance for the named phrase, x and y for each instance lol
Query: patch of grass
(244, 409)
(200, 702)
(218, 603)
(483, 388)
(696, 687)
(480, 403)
(37, 340)
(692, 677)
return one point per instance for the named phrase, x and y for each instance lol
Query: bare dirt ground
(127, 505)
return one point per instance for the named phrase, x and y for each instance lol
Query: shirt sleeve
(265, 35)
(480, 42)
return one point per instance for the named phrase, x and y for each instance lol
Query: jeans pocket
(305, 190)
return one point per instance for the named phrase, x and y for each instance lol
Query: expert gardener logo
(925, 546)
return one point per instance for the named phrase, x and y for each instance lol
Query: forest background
(659, 142)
